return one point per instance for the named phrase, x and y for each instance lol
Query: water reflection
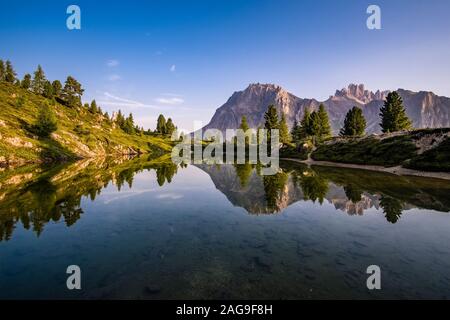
(349, 190)
(35, 196)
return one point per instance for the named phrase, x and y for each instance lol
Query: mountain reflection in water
(34, 196)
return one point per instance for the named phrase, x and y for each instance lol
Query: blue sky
(185, 58)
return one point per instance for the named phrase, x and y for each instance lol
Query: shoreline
(397, 170)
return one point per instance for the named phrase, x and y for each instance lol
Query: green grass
(294, 152)
(80, 133)
(371, 151)
(392, 151)
(436, 159)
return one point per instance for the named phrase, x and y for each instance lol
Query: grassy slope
(18, 145)
(391, 151)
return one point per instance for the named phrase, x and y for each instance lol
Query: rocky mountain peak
(360, 93)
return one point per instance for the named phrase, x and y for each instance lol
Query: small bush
(80, 130)
(46, 122)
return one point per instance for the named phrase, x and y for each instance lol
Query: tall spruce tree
(325, 128)
(128, 125)
(305, 125)
(48, 90)
(244, 124)
(354, 123)
(57, 87)
(120, 119)
(285, 137)
(315, 124)
(38, 80)
(271, 121)
(393, 114)
(2, 70)
(296, 132)
(244, 127)
(26, 82)
(93, 107)
(271, 118)
(72, 92)
(161, 124)
(10, 74)
(170, 127)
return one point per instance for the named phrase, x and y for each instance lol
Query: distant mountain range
(425, 108)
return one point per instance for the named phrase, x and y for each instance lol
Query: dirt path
(393, 170)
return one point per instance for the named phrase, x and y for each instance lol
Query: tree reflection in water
(349, 190)
(35, 196)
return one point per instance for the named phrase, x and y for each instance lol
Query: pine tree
(161, 125)
(93, 108)
(46, 121)
(39, 81)
(48, 90)
(170, 127)
(271, 118)
(271, 121)
(72, 92)
(393, 114)
(296, 132)
(315, 125)
(2, 70)
(10, 74)
(120, 119)
(244, 124)
(285, 137)
(305, 125)
(57, 86)
(26, 82)
(325, 128)
(354, 123)
(244, 127)
(128, 125)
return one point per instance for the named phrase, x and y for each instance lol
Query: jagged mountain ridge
(425, 108)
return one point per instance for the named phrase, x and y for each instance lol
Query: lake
(148, 229)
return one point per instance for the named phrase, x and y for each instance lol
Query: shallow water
(139, 229)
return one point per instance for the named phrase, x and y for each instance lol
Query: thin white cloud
(173, 68)
(170, 101)
(114, 77)
(111, 100)
(112, 63)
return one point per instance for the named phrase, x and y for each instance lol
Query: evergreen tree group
(314, 124)
(165, 127)
(272, 122)
(354, 123)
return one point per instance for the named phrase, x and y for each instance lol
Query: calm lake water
(142, 229)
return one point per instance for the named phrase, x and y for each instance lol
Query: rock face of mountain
(253, 103)
(424, 108)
